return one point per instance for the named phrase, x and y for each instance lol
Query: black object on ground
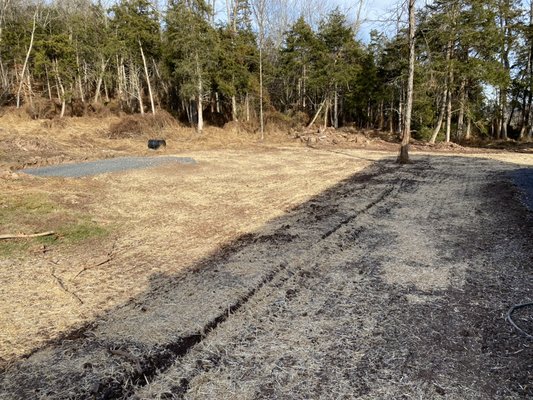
(156, 143)
(105, 166)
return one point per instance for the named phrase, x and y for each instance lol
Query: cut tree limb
(23, 236)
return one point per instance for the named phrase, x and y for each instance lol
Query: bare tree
(200, 126)
(403, 158)
(259, 10)
(147, 77)
(357, 24)
(25, 66)
(232, 7)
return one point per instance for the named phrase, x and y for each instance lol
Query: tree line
(265, 59)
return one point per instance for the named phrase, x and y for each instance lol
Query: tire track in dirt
(333, 325)
(300, 271)
(296, 276)
(85, 372)
(186, 344)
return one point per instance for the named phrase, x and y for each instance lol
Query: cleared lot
(277, 273)
(119, 232)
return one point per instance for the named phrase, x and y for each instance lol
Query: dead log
(23, 236)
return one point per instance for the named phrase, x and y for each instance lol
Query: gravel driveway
(105, 166)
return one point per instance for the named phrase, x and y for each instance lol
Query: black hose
(510, 318)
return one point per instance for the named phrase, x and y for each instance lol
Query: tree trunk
(523, 117)
(200, 126)
(440, 118)
(48, 86)
(526, 127)
(27, 57)
(30, 90)
(260, 12)
(447, 138)
(136, 82)
(120, 81)
(462, 105)
(147, 77)
(468, 133)
(504, 58)
(317, 114)
(336, 109)
(326, 111)
(357, 24)
(400, 119)
(261, 119)
(381, 116)
(234, 108)
(504, 116)
(391, 117)
(60, 89)
(445, 95)
(403, 157)
(304, 94)
(5, 80)
(106, 92)
(100, 79)
(187, 109)
(80, 84)
(247, 106)
(162, 84)
(449, 110)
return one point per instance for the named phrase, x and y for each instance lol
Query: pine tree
(190, 52)
(297, 57)
(136, 27)
(340, 60)
(236, 57)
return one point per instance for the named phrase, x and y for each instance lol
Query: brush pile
(331, 136)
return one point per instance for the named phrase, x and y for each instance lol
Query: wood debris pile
(331, 136)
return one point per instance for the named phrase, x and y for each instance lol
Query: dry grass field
(260, 213)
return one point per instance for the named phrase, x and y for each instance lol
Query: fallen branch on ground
(23, 236)
(64, 288)
(110, 256)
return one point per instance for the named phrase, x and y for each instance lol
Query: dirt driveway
(346, 276)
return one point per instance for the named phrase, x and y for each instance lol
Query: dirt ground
(265, 271)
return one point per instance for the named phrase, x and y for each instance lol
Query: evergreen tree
(297, 63)
(236, 58)
(191, 47)
(136, 28)
(339, 61)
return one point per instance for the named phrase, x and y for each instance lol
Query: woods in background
(473, 65)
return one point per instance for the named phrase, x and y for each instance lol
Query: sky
(375, 14)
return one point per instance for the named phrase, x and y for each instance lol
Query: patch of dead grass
(163, 221)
